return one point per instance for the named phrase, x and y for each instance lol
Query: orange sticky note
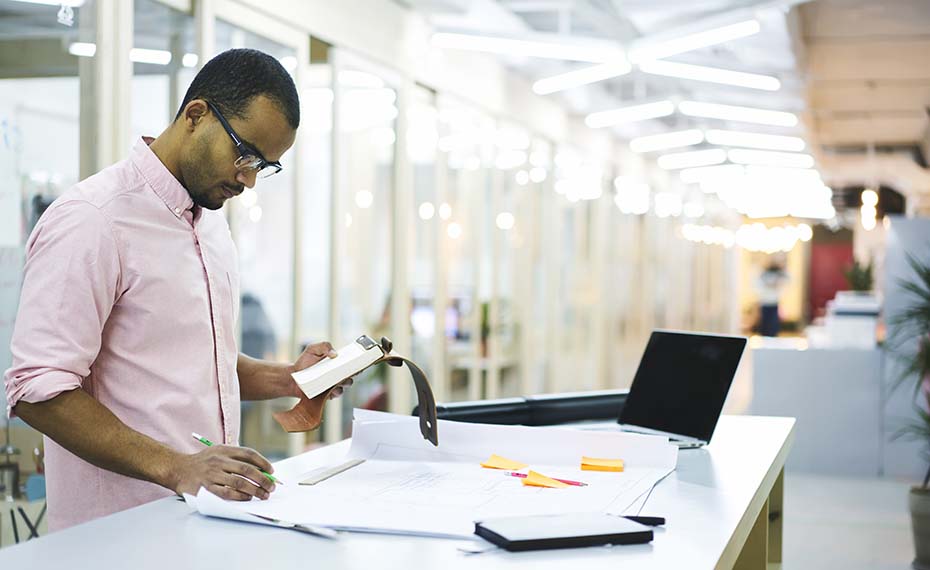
(498, 462)
(595, 464)
(534, 479)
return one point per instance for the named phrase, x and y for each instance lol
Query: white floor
(849, 524)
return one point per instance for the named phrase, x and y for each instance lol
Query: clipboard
(364, 352)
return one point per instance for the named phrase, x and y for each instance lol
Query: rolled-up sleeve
(70, 284)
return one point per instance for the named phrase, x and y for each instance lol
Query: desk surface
(711, 501)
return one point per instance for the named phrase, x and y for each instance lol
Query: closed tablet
(568, 530)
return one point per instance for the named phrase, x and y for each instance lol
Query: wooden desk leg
(754, 555)
(776, 518)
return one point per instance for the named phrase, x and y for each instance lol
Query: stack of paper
(405, 485)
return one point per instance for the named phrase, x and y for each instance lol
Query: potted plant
(858, 276)
(910, 344)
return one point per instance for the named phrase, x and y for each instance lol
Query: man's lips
(230, 192)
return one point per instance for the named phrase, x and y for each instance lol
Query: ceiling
(855, 71)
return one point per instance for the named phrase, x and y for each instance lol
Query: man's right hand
(232, 473)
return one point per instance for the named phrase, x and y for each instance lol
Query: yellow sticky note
(534, 479)
(596, 464)
(498, 462)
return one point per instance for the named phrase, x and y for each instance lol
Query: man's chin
(213, 206)
(210, 204)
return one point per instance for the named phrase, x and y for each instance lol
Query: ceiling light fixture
(71, 3)
(755, 140)
(579, 77)
(771, 158)
(151, 56)
(667, 141)
(692, 159)
(630, 114)
(739, 114)
(656, 49)
(593, 53)
(82, 49)
(711, 75)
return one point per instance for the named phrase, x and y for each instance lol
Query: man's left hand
(315, 353)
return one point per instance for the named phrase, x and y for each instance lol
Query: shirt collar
(160, 179)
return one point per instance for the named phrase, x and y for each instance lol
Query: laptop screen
(682, 382)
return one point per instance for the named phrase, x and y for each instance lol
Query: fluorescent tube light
(666, 141)
(711, 75)
(691, 42)
(692, 159)
(71, 3)
(152, 56)
(581, 77)
(630, 114)
(190, 60)
(770, 158)
(711, 173)
(526, 48)
(755, 140)
(740, 114)
(82, 49)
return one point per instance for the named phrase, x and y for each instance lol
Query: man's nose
(247, 179)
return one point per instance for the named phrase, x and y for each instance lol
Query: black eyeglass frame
(247, 153)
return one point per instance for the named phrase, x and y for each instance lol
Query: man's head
(258, 100)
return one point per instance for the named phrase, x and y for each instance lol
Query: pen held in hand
(209, 443)
(566, 481)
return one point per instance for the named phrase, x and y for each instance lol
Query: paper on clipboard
(351, 359)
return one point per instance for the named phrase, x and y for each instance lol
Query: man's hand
(315, 353)
(228, 472)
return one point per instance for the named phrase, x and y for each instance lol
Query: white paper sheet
(407, 486)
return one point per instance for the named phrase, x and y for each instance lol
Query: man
(124, 342)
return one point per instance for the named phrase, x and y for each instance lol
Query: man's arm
(86, 428)
(264, 380)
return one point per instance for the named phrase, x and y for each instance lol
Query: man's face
(208, 163)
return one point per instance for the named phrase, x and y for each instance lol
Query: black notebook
(570, 530)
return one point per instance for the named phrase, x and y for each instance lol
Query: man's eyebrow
(261, 155)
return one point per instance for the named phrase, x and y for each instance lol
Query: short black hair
(233, 78)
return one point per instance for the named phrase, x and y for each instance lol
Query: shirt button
(177, 211)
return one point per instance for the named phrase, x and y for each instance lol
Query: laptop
(680, 386)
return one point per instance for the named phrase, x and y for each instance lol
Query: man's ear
(194, 113)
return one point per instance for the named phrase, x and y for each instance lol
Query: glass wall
(164, 64)
(262, 225)
(40, 106)
(466, 142)
(316, 99)
(422, 138)
(266, 250)
(365, 189)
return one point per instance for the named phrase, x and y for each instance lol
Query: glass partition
(40, 106)
(262, 224)
(466, 143)
(316, 98)
(164, 64)
(367, 107)
(422, 138)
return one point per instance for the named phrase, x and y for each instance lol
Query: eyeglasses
(250, 160)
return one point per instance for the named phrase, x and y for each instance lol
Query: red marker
(566, 481)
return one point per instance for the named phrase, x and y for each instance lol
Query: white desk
(717, 504)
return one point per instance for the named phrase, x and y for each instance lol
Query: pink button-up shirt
(131, 292)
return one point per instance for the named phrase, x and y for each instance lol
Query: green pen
(208, 443)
